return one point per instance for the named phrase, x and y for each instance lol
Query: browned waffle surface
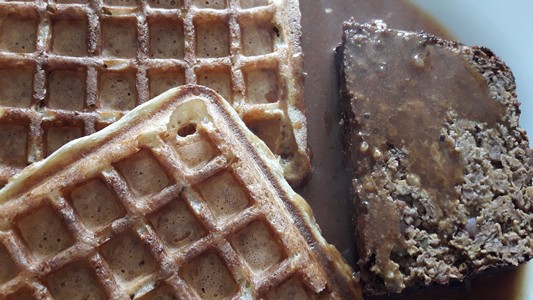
(176, 198)
(70, 68)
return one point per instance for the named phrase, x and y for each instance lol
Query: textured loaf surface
(442, 173)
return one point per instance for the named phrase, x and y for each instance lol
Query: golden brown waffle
(177, 197)
(71, 67)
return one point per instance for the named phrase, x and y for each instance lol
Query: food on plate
(177, 197)
(442, 173)
(70, 68)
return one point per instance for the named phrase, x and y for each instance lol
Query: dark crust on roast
(498, 166)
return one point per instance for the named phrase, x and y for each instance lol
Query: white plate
(505, 28)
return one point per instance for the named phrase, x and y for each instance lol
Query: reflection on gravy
(327, 190)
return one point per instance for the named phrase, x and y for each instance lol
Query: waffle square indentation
(290, 289)
(66, 89)
(169, 4)
(212, 38)
(44, 232)
(14, 150)
(224, 195)
(161, 292)
(257, 38)
(75, 281)
(209, 277)
(119, 37)
(218, 79)
(17, 33)
(253, 3)
(56, 137)
(127, 257)
(143, 173)
(117, 90)
(16, 85)
(262, 85)
(69, 36)
(176, 224)
(72, 1)
(270, 130)
(257, 246)
(96, 204)
(162, 80)
(8, 270)
(128, 3)
(196, 151)
(216, 4)
(166, 38)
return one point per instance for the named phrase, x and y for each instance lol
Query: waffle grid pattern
(128, 254)
(116, 55)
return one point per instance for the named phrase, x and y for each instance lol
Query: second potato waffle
(70, 68)
(178, 198)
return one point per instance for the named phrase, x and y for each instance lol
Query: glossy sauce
(414, 80)
(327, 189)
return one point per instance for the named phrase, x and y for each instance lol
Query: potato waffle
(177, 198)
(70, 68)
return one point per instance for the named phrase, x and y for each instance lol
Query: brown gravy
(415, 78)
(327, 189)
